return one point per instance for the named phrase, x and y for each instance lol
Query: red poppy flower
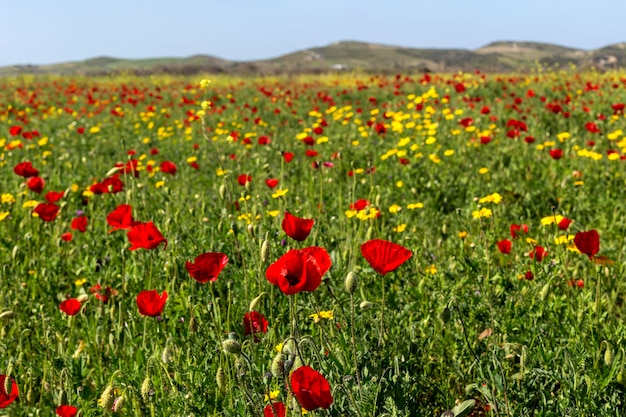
(80, 130)
(311, 388)
(168, 167)
(121, 218)
(271, 182)
(556, 153)
(80, 224)
(243, 179)
(194, 165)
(7, 398)
(359, 205)
(71, 306)
(278, 407)
(54, 196)
(529, 275)
(25, 169)
(297, 228)
(66, 237)
(145, 236)
(150, 303)
(504, 246)
(564, 224)
(254, 322)
(299, 270)
(592, 127)
(538, 253)
(311, 153)
(36, 184)
(207, 266)
(516, 228)
(111, 185)
(588, 242)
(384, 256)
(15, 130)
(264, 140)
(288, 156)
(66, 411)
(47, 211)
(103, 295)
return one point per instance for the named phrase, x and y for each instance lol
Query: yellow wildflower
(400, 228)
(552, 219)
(414, 206)
(280, 193)
(273, 395)
(7, 198)
(494, 198)
(394, 208)
(483, 212)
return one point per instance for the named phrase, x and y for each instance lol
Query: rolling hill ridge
(500, 56)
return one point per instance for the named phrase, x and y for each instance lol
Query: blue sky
(43, 31)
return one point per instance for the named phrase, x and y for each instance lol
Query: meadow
(338, 245)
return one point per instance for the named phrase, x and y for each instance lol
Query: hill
(500, 56)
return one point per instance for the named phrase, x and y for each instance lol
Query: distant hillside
(501, 56)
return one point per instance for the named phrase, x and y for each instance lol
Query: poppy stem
(292, 314)
(598, 289)
(382, 314)
(354, 354)
(143, 335)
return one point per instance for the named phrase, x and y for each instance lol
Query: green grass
(460, 321)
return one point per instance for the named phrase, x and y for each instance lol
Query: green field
(458, 245)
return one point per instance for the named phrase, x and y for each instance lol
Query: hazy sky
(50, 31)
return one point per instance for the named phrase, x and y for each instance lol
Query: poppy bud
(544, 292)
(107, 397)
(8, 382)
(193, 324)
(265, 250)
(255, 302)
(297, 363)
(147, 389)
(251, 230)
(234, 228)
(620, 377)
(30, 396)
(365, 305)
(112, 312)
(368, 235)
(82, 298)
(223, 191)
(6, 315)
(608, 356)
(220, 379)
(351, 282)
(231, 345)
(118, 404)
(278, 365)
(166, 355)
